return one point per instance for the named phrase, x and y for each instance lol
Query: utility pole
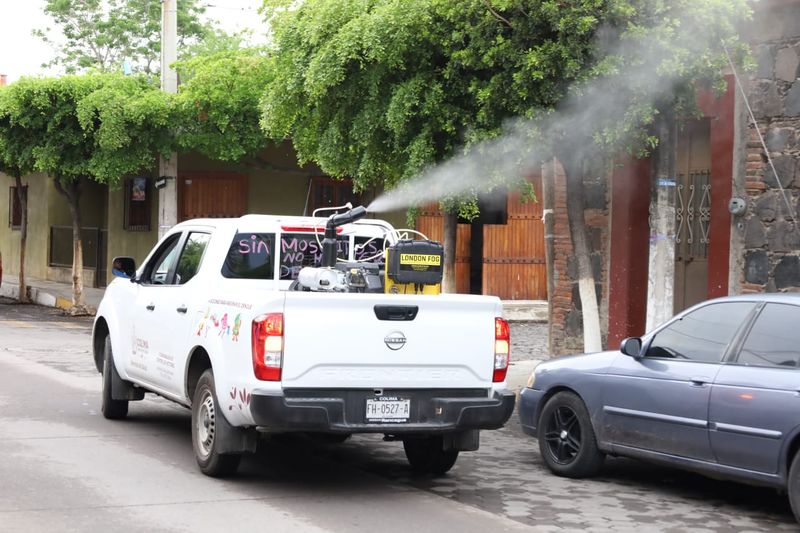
(168, 168)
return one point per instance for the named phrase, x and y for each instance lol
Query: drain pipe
(548, 218)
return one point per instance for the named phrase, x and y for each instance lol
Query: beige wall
(276, 185)
(91, 203)
(136, 244)
(38, 228)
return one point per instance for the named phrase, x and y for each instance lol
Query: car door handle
(699, 382)
(151, 307)
(182, 309)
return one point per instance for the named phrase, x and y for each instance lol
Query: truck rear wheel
(112, 409)
(208, 428)
(427, 455)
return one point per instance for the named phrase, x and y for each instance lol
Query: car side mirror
(124, 267)
(632, 346)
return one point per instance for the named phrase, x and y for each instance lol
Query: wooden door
(513, 253)
(430, 222)
(212, 195)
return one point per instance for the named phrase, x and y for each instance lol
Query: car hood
(590, 362)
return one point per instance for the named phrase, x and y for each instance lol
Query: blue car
(715, 390)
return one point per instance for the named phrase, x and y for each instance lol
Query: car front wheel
(112, 409)
(566, 438)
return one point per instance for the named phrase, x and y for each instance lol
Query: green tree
(218, 103)
(16, 160)
(90, 127)
(102, 34)
(380, 90)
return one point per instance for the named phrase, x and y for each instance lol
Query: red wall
(630, 237)
(630, 199)
(721, 111)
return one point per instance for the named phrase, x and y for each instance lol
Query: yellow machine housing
(414, 267)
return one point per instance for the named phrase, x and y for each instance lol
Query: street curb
(39, 297)
(518, 374)
(525, 310)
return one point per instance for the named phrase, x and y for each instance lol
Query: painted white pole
(168, 168)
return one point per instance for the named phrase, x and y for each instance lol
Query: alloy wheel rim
(563, 435)
(205, 425)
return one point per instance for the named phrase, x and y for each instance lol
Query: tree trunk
(450, 235)
(22, 199)
(71, 191)
(592, 340)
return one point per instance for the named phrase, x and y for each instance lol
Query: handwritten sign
(300, 250)
(250, 256)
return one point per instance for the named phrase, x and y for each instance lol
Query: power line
(229, 8)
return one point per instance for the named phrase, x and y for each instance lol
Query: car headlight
(531, 379)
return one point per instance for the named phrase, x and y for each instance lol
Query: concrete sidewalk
(50, 293)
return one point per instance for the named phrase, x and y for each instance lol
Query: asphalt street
(65, 468)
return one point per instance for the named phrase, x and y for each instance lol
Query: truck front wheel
(112, 409)
(427, 455)
(208, 428)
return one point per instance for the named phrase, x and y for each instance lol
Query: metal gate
(692, 214)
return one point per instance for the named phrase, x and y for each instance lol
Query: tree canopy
(95, 126)
(218, 103)
(380, 89)
(16, 149)
(102, 34)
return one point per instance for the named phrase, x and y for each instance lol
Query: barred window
(14, 206)
(137, 204)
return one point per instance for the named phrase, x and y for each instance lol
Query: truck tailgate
(339, 341)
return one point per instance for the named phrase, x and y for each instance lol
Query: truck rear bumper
(344, 411)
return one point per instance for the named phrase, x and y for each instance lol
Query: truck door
(181, 306)
(148, 313)
(171, 307)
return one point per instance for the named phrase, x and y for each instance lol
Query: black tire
(566, 438)
(112, 409)
(427, 455)
(793, 487)
(208, 426)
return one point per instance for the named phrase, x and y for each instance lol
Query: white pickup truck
(237, 320)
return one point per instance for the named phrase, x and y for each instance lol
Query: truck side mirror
(124, 267)
(632, 346)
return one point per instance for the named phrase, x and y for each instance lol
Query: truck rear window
(251, 256)
(300, 250)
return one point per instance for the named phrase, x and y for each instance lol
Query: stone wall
(771, 251)
(566, 322)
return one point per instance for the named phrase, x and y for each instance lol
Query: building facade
(123, 220)
(716, 215)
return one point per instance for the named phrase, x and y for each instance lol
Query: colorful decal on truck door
(237, 325)
(222, 326)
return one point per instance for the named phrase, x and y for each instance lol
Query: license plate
(388, 410)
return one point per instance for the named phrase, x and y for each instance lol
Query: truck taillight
(502, 349)
(268, 346)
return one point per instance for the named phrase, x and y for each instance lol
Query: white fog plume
(649, 72)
